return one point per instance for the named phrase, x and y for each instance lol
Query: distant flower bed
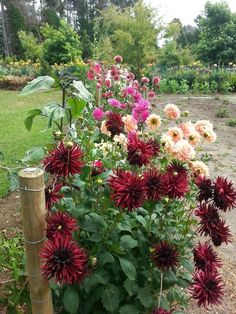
(128, 194)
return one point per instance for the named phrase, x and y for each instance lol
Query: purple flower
(114, 103)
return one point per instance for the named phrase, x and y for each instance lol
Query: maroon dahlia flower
(155, 184)
(209, 218)
(114, 123)
(224, 194)
(155, 146)
(176, 183)
(60, 224)
(220, 234)
(205, 188)
(139, 152)
(165, 256)
(128, 188)
(207, 288)
(64, 160)
(176, 168)
(53, 195)
(160, 310)
(205, 258)
(63, 261)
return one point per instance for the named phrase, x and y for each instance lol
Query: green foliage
(38, 84)
(133, 34)
(222, 113)
(32, 50)
(60, 45)
(12, 267)
(50, 17)
(231, 123)
(217, 39)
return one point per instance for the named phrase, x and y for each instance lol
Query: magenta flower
(98, 114)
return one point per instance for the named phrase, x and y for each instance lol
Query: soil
(223, 162)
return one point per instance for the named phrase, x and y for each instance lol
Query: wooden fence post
(32, 195)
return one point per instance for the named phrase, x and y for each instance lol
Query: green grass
(14, 138)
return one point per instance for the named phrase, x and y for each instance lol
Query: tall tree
(217, 39)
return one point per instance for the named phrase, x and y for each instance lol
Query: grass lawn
(14, 138)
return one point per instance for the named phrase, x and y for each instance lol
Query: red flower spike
(64, 161)
(53, 195)
(155, 184)
(63, 261)
(114, 123)
(205, 188)
(60, 224)
(205, 258)
(128, 188)
(207, 288)
(165, 256)
(224, 194)
(139, 152)
(209, 218)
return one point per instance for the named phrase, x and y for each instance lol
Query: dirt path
(223, 162)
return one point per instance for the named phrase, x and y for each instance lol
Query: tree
(60, 45)
(133, 33)
(217, 39)
(32, 50)
(189, 35)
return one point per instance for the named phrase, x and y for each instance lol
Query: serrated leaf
(111, 298)
(187, 264)
(128, 268)
(129, 309)
(83, 92)
(39, 84)
(130, 286)
(71, 300)
(128, 242)
(145, 297)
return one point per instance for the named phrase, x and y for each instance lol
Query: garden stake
(32, 197)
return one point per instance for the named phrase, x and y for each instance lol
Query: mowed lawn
(14, 138)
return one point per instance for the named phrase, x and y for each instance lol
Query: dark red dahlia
(139, 152)
(224, 194)
(155, 146)
(177, 183)
(60, 224)
(207, 288)
(63, 261)
(53, 195)
(128, 188)
(64, 160)
(160, 310)
(205, 258)
(114, 123)
(205, 188)
(155, 184)
(98, 168)
(220, 234)
(209, 218)
(176, 168)
(165, 256)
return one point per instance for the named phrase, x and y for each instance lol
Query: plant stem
(161, 287)
(63, 105)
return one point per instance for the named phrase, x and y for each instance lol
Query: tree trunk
(4, 32)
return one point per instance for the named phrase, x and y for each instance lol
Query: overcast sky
(185, 10)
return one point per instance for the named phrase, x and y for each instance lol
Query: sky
(185, 10)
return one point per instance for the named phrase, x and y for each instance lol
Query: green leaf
(106, 258)
(83, 92)
(111, 298)
(14, 182)
(54, 112)
(187, 264)
(145, 297)
(30, 117)
(130, 286)
(102, 277)
(34, 154)
(128, 268)
(71, 300)
(129, 309)
(76, 105)
(1, 156)
(128, 242)
(39, 84)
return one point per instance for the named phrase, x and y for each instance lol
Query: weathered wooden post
(32, 195)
